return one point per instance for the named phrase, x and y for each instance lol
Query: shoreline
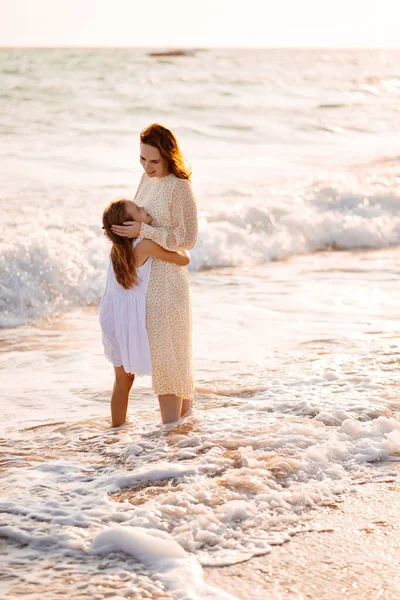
(350, 551)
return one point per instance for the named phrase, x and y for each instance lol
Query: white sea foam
(226, 501)
(178, 570)
(59, 268)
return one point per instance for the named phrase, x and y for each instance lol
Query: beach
(348, 552)
(285, 477)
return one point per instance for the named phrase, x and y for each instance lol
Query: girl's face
(138, 213)
(152, 161)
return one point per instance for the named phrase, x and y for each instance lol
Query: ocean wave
(42, 274)
(46, 274)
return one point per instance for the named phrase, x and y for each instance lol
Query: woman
(166, 193)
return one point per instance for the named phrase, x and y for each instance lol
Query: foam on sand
(179, 571)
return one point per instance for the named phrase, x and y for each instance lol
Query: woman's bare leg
(186, 406)
(120, 396)
(170, 407)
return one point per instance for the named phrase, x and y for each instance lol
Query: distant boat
(173, 52)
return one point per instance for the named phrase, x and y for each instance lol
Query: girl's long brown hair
(162, 138)
(122, 256)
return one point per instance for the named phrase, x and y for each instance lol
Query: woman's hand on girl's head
(129, 229)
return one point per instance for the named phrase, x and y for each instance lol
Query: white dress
(123, 322)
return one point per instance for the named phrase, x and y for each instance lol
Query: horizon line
(193, 47)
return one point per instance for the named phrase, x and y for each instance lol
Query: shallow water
(296, 403)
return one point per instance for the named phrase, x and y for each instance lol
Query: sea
(295, 290)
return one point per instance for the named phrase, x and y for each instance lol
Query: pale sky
(194, 23)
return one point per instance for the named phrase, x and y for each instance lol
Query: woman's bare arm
(147, 248)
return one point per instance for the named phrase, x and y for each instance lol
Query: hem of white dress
(136, 373)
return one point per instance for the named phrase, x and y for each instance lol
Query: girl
(123, 306)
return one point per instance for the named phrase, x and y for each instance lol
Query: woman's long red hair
(122, 255)
(162, 138)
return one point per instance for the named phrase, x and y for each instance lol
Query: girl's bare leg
(186, 406)
(170, 407)
(120, 396)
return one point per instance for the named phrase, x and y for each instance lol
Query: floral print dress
(172, 205)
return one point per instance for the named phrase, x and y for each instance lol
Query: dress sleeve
(183, 233)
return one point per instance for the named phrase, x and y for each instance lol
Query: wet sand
(351, 551)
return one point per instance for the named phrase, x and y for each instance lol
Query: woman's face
(152, 161)
(138, 213)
